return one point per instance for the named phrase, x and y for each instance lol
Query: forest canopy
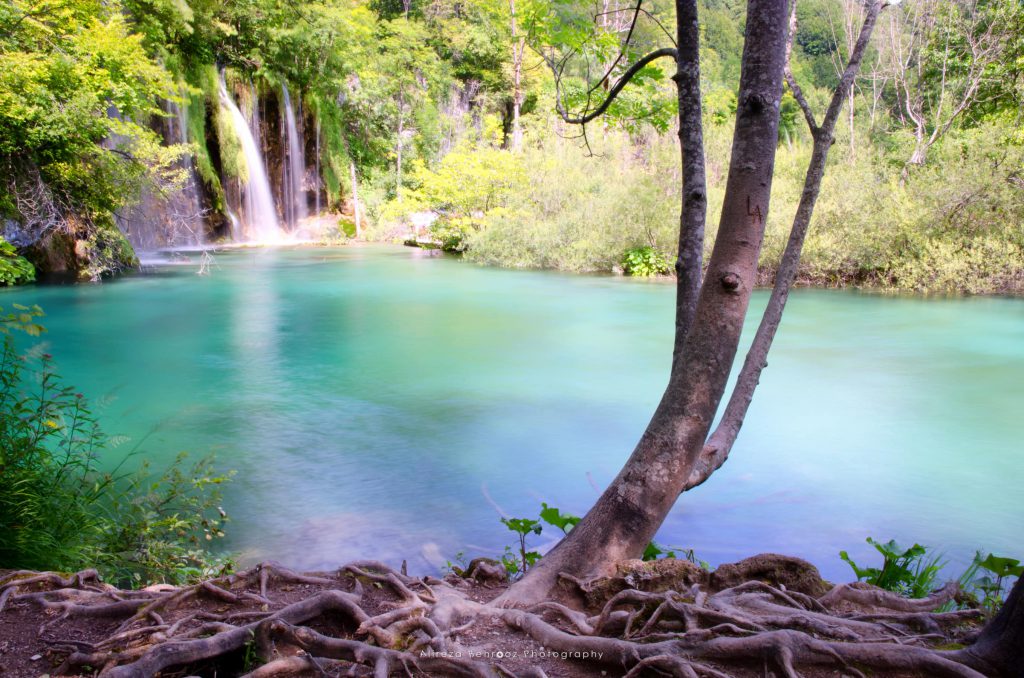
(449, 107)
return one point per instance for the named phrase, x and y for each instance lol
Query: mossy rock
(106, 252)
(82, 253)
(785, 572)
(652, 576)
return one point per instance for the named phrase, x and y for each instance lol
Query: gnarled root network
(367, 619)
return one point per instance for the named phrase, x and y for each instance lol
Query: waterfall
(296, 207)
(259, 217)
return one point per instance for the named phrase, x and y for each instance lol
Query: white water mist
(259, 216)
(295, 207)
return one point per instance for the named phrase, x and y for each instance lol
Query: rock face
(78, 254)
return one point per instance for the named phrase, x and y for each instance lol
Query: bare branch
(794, 87)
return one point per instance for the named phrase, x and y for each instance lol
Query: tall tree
(709, 316)
(518, 51)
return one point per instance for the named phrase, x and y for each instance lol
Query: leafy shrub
(14, 269)
(988, 589)
(107, 252)
(952, 227)
(644, 262)
(60, 511)
(910, 572)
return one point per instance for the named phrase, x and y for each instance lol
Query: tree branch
(721, 441)
(615, 90)
(794, 87)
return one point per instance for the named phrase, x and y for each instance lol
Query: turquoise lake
(381, 402)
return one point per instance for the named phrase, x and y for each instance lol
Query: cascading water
(295, 206)
(259, 217)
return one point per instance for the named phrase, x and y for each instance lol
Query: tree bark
(999, 650)
(398, 159)
(692, 216)
(355, 198)
(632, 508)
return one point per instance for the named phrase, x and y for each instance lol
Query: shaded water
(372, 398)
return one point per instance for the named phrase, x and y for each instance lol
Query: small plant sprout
(519, 565)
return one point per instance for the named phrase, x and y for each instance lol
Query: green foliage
(644, 262)
(655, 551)
(553, 516)
(107, 251)
(59, 510)
(517, 564)
(952, 227)
(580, 214)
(14, 269)
(459, 564)
(989, 589)
(76, 89)
(911, 572)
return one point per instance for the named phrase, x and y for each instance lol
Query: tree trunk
(398, 159)
(355, 198)
(718, 446)
(999, 650)
(693, 214)
(518, 48)
(632, 508)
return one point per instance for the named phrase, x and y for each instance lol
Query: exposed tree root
(369, 620)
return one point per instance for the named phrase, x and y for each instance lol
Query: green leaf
(1002, 567)
(563, 521)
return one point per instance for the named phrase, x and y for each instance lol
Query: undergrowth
(913, 572)
(62, 509)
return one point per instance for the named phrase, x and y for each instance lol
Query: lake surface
(380, 402)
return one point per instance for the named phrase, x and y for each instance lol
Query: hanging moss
(202, 99)
(334, 155)
(232, 158)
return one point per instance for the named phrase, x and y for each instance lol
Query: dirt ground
(44, 623)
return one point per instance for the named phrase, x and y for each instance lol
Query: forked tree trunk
(632, 508)
(720, 443)
(999, 650)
